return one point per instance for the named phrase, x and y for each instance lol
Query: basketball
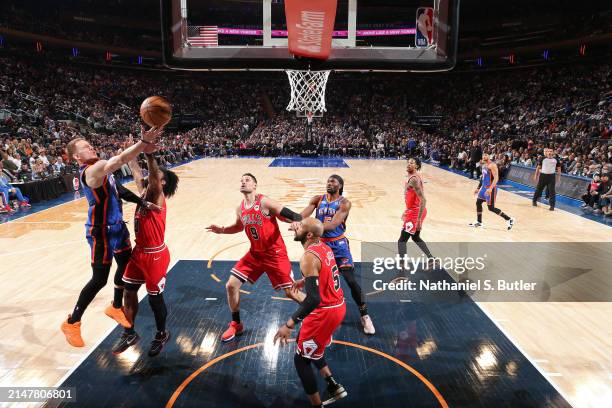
(156, 111)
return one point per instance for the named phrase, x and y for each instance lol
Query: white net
(307, 92)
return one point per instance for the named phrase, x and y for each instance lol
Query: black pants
(546, 180)
(472, 167)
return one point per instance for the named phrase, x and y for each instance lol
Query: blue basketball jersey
(105, 207)
(487, 177)
(325, 213)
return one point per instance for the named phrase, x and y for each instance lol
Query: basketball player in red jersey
(257, 215)
(150, 257)
(415, 212)
(320, 313)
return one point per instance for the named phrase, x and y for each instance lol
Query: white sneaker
(476, 224)
(368, 326)
(511, 222)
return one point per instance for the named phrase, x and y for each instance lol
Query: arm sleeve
(293, 216)
(128, 195)
(312, 299)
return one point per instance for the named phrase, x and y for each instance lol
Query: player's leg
(155, 277)
(479, 202)
(493, 209)
(334, 390)
(307, 377)
(416, 237)
(100, 265)
(129, 337)
(115, 310)
(232, 288)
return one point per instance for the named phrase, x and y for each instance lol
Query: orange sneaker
(234, 329)
(117, 315)
(73, 333)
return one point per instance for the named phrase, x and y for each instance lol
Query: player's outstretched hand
(282, 335)
(294, 226)
(215, 228)
(151, 134)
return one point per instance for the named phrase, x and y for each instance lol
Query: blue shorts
(489, 198)
(107, 240)
(342, 252)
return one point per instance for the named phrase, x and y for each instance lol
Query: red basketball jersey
(261, 229)
(329, 277)
(150, 227)
(412, 200)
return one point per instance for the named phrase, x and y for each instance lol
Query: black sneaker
(158, 343)
(125, 341)
(333, 393)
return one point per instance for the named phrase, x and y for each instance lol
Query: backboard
(377, 35)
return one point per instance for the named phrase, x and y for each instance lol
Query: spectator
(7, 191)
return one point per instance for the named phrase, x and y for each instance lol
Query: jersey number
(254, 234)
(336, 276)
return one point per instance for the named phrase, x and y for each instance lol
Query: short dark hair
(251, 176)
(417, 161)
(172, 181)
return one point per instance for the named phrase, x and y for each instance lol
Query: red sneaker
(234, 329)
(25, 204)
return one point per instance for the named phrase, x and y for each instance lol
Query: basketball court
(466, 354)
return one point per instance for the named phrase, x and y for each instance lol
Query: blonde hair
(71, 147)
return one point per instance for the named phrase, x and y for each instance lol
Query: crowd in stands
(511, 115)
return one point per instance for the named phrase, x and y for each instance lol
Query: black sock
(236, 316)
(479, 217)
(76, 315)
(330, 380)
(504, 216)
(363, 310)
(118, 298)
(159, 310)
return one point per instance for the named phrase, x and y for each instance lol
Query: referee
(547, 167)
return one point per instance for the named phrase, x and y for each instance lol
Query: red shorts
(317, 329)
(410, 220)
(148, 267)
(276, 264)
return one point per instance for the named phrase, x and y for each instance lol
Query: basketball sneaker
(125, 341)
(368, 326)
(334, 392)
(234, 329)
(25, 204)
(158, 343)
(72, 331)
(117, 315)
(511, 222)
(476, 224)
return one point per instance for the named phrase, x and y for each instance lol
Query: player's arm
(558, 170)
(236, 227)
(94, 174)
(154, 187)
(494, 173)
(312, 205)
(275, 208)
(137, 174)
(339, 216)
(416, 186)
(310, 266)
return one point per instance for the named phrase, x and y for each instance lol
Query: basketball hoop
(307, 92)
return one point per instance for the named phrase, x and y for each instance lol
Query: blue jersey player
(105, 229)
(332, 209)
(487, 192)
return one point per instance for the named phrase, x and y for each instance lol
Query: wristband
(145, 141)
(290, 328)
